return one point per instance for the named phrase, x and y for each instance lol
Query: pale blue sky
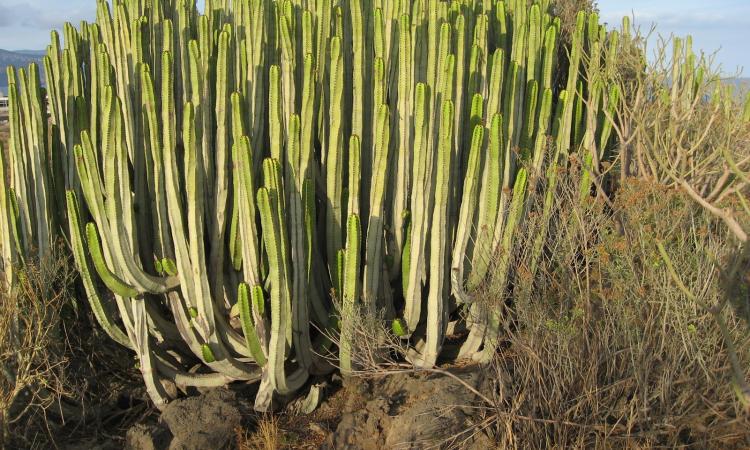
(714, 24)
(25, 24)
(722, 25)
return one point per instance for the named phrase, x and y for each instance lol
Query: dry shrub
(267, 435)
(61, 378)
(33, 356)
(567, 10)
(608, 353)
(681, 121)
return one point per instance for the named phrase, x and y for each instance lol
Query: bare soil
(402, 410)
(412, 411)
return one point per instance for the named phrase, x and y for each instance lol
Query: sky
(722, 25)
(716, 25)
(25, 25)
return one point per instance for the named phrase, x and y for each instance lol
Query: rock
(147, 437)
(362, 429)
(207, 421)
(433, 411)
(408, 411)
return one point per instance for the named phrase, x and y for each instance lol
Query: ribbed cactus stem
(8, 245)
(437, 313)
(219, 152)
(248, 321)
(489, 197)
(466, 215)
(374, 242)
(112, 281)
(419, 203)
(351, 290)
(103, 316)
(335, 157)
(268, 203)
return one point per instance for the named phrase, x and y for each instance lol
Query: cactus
(8, 233)
(216, 157)
(248, 320)
(351, 289)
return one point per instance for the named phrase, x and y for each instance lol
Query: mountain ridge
(18, 59)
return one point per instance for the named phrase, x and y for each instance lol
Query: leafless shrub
(681, 124)
(567, 10)
(607, 352)
(375, 349)
(33, 356)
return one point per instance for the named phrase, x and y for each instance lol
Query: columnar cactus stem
(437, 314)
(466, 215)
(351, 290)
(9, 255)
(424, 124)
(419, 212)
(403, 161)
(374, 246)
(248, 321)
(268, 203)
(335, 157)
(103, 316)
(488, 203)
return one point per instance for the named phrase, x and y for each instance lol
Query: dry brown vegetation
(267, 436)
(623, 340)
(603, 349)
(293, 431)
(61, 379)
(33, 358)
(608, 352)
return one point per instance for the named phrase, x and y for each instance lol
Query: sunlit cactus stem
(241, 184)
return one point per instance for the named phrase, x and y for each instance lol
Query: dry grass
(267, 435)
(608, 353)
(289, 431)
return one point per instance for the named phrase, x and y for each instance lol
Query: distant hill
(35, 53)
(17, 59)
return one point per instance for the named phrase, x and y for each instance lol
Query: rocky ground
(411, 411)
(395, 411)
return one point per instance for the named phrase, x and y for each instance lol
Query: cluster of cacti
(244, 180)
